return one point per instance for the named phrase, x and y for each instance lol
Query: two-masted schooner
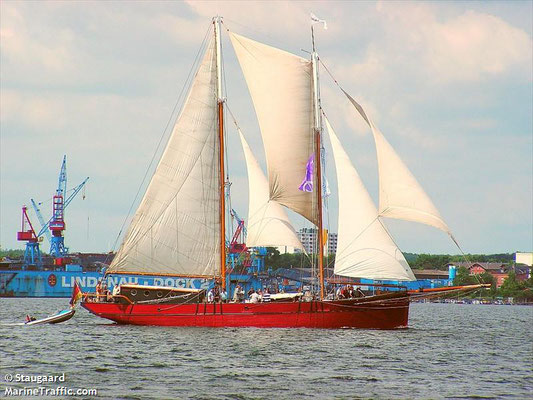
(179, 226)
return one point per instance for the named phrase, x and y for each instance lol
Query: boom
(44, 225)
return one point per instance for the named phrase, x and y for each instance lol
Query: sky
(448, 83)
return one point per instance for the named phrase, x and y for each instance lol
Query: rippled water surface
(450, 351)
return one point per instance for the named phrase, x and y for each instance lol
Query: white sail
(280, 84)
(268, 223)
(176, 229)
(364, 247)
(400, 195)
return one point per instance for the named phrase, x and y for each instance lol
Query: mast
(318, 160)
(222, 202)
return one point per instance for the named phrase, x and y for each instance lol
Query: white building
(308, 238)
(524, 258)
(286, 249)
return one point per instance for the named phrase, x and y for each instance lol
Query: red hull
(389, 311)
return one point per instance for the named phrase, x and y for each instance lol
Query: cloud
(35, 112)
(31, 51)
(467, 47)
(254, 14)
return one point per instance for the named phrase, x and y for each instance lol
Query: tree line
(521, 291)
(416, 261)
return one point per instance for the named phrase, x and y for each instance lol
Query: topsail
(280, 84)
(400, 195)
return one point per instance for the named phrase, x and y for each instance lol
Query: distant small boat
(61, 316)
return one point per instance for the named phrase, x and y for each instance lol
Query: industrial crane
(238, 251)
(32, 255)
(56, 224)
(237, 244)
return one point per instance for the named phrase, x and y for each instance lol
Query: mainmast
(222, 210)
(318, 160)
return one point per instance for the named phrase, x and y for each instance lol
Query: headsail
(400, 195)
(176, 227)
(268, 223)
(280, 84)
(364, 247)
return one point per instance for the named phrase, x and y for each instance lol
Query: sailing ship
(179, 226)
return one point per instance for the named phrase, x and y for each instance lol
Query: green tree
(510, 287)
(525, 295)
(430, 261)
(463, 277)
(272, 257)
(12, 254)
(487, 277)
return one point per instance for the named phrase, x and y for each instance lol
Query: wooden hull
(386, 311)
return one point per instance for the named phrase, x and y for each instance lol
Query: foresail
(364, 247)
(176, 227)
(280, 84)
(268, 223)
(400, 195)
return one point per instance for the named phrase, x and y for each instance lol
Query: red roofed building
(499, 271)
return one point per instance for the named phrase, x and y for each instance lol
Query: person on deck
(344, 292)
(98, 290)
(254, 297)
(238, 294)
(216, 294)
(210, 296)
(223, 296)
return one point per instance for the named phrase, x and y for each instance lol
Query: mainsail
(400, 195)
(280, 84)
(364, 247)
(268, 223)
(176, 229)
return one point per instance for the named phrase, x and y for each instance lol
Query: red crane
(237, 246)
(32, 255)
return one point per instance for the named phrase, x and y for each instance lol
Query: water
(450, 351)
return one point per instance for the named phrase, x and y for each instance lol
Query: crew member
(254, 297)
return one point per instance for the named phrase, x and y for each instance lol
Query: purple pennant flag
(307, 184)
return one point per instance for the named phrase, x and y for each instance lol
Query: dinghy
(61, 316)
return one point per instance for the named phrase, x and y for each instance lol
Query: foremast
(222, 182)
(317, 128)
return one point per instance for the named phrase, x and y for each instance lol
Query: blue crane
(44, 225)
(55, 226)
